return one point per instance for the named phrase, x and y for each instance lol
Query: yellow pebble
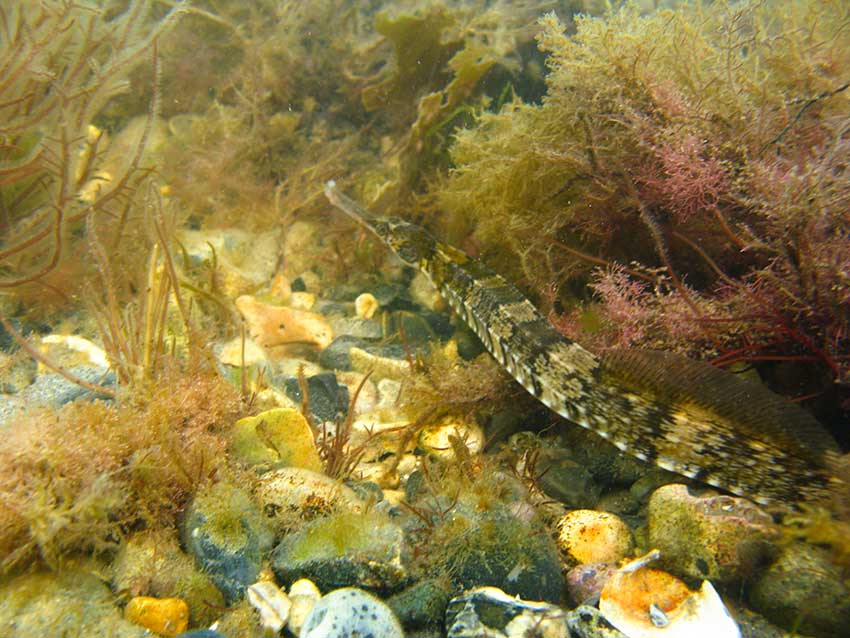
(366, 305)
(164, 616)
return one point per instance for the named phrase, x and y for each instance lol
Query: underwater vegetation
(690, 166)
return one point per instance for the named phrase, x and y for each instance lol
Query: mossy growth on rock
(280, 437)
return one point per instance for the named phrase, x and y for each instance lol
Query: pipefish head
(413, 245)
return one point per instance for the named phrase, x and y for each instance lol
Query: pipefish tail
(682, 415)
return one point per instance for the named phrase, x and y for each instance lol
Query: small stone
(280, 289)
(586, 621)
(327, 399)
(421, 605)
(565, 480)
(436, 440)
(69, 602)
(342, 550)
(304, 595)
(237, 352)
(357, 327)
(292, 495)
(720, 538)
(365, 306)
(804, 592)
(488, 612)
(164, 616)
(302, 300)
(585, 582)
(272, 604)
(228, 537)
(425, 293)
(275, 325)
(351, 612)
(280, 437)
(589, 536)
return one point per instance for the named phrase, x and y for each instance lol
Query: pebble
(348, 612)
(277, 325)
(293, 495)
(69, 602)
(228, 537)
(803, 591)
(357, 327)
(163, 616)
(237, 352)
(302, 300)
(488, 612)
(590, 536)
(342, 550)
(586, 621)
(271, 603)
(303, 594)
(585, 582)
(365, 306)
(279, 437)
(436, 440)
(565, 480)
(422, 605)
(720, 538)
(327, 399)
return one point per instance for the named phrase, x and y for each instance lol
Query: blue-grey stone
(327, 399)
(226, 534)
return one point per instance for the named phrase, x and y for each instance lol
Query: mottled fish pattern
(682, 415)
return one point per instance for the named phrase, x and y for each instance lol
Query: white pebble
(351, 612)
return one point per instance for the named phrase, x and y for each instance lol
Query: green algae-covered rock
(280, 437)
(803, 592)
(65, 603)
(228, 537)
(718, 538)
(342, 550)
(423, 604)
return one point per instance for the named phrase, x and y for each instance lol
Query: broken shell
(650, 603)
(366, 305)
(273, 604)
(304, 595)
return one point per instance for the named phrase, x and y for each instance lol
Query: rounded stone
(718, 538)
(351, 612)
(342, 550)
(164, 616)
(802, 591)
(589, 536)
(228, 537)
(277, 437)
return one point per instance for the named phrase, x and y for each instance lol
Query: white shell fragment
(272, 603)
(643, 602)
(366, 305)
(304, 595)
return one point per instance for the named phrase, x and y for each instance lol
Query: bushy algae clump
(690, 165)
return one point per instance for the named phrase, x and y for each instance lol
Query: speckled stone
(719, 538)
(349, 612)
(804, 592)
(589, 536)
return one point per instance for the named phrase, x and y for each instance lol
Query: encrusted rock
(278, 437)
(163, 616)
(718, 538)
(351, 612)
(290, 495)
(585, 582)
(802, 591)
(589, 536)
(345, 549)
(488, 612)
(228, 537)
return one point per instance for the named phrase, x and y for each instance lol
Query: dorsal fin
(748, 406)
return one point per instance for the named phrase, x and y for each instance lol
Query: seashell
(304, 595)
(273, 605)
(366, 305)
(643, 602)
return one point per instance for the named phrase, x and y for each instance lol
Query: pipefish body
(682, 415)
